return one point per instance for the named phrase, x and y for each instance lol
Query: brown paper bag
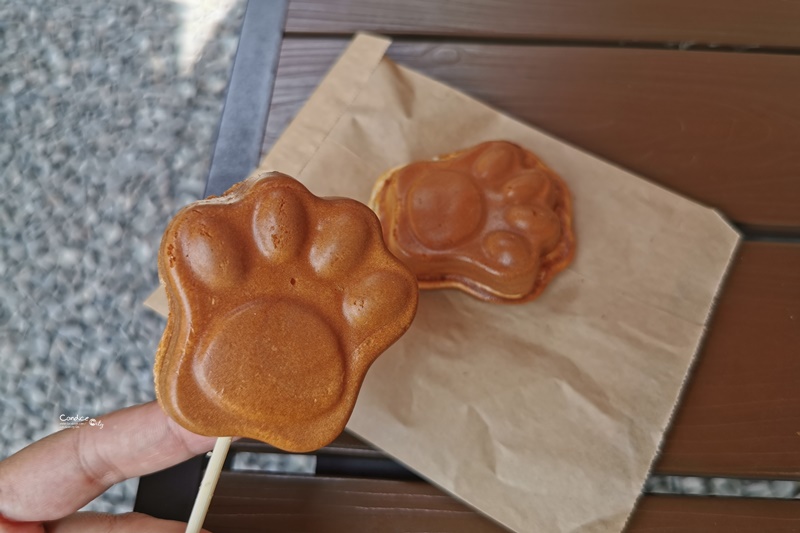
(545, 416)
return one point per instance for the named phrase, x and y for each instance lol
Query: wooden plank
(767, 23)
(246, 502)
(720, 128)
(741, 412)
(683, 514)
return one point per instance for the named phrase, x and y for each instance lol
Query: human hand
(42, 486)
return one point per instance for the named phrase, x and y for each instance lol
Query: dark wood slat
(261, 502)
(720, 128)
(681, 514)
(766, 23)
(345, 445)
(246, 502)
(741, 412)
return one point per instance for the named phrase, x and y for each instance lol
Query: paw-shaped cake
(279, 301)
(491, 220)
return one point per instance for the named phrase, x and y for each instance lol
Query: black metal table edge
(237, 148)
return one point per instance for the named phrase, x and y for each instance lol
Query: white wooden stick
(208, 484)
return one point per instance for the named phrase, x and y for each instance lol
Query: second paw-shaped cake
(491, 220)
(279, 302)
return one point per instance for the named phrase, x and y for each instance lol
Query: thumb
(109, 523)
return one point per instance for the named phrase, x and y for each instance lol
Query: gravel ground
(102, 139)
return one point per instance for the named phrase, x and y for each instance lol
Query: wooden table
(702, 98)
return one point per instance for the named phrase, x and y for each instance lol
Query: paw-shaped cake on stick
(491, 220)
(279, 301)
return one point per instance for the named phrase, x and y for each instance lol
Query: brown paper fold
(545, 416)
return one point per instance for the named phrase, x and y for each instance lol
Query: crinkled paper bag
(544, 416)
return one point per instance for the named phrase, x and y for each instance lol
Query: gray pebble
(112, 233)
(694, 485)
(5, 314)
(757, 489)
(16, 252)
(37, 395)
(69, 257)
(726, 487)
(784, 489)
(115, 373)
(16, 86)
(17, 363)
(72, 331)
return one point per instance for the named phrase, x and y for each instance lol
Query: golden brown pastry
(491, 220)
(279, 301)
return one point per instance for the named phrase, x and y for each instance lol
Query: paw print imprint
(290, 298)
(492, 220)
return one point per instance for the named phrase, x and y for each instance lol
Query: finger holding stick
(44, 485)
